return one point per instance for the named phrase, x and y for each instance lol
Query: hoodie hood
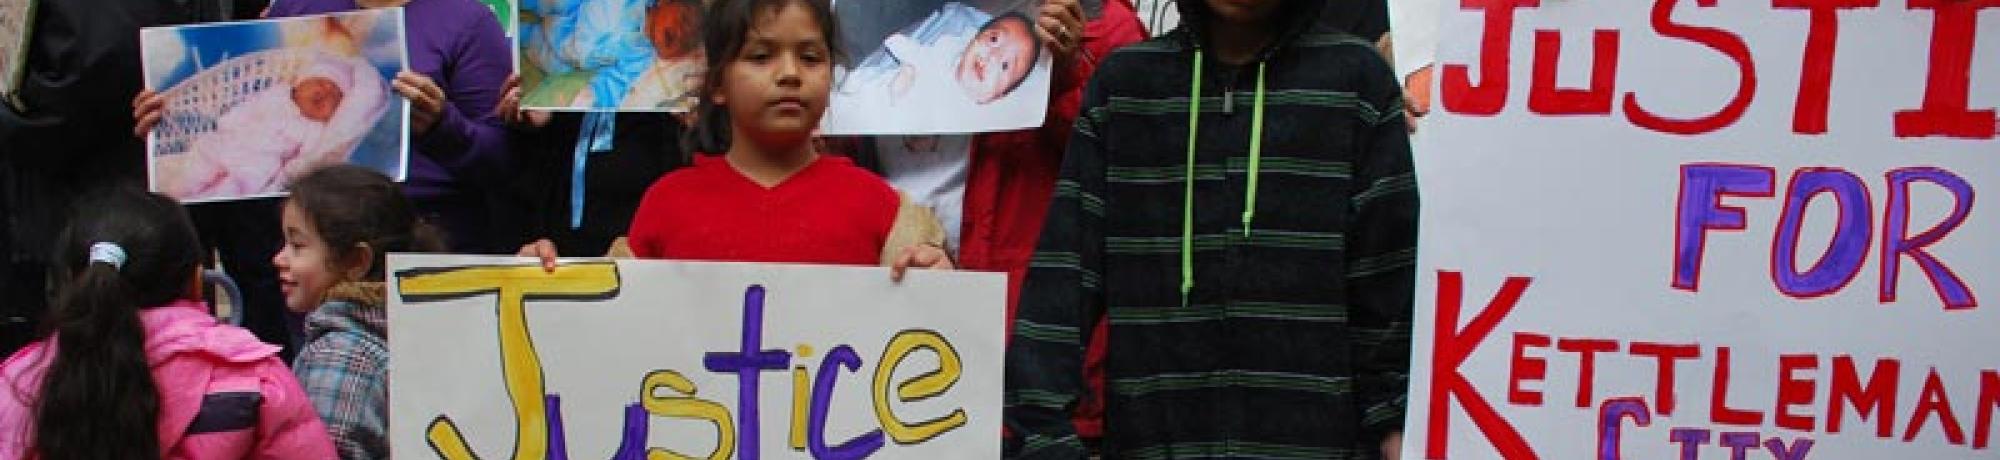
(1293, 18)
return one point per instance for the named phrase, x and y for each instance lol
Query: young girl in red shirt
(772, 197)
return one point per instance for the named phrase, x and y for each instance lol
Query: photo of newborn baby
(959, 68)
(251, 105)
(610, 55)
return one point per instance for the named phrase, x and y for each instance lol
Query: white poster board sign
(495, 358)
(1710, 230)
(1413, 27)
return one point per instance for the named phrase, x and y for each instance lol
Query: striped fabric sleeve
(1381, 264)
(1060, 301)
(347, 379)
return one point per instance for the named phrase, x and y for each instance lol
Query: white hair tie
(109, 253)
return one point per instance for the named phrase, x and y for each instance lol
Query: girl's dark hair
(350, 205)
(98, 400)
(725, 28)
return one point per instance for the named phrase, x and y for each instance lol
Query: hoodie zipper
(1229, 91)
(1229, 98)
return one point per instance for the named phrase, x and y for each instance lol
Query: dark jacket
(1292, 340)
(75, 133)
(644, 147)
(1368, 19)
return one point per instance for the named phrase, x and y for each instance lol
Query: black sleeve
(1061, 299)
(1382, 252)
(544, 170)
(82, 73)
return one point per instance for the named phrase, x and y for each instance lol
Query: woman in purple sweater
(459, 58)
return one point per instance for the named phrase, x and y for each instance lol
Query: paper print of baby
(632, 48)
(957, 56)
(283, 131)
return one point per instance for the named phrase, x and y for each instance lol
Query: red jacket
(1013, 174)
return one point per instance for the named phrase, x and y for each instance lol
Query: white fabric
(933, 85)
(932, 171)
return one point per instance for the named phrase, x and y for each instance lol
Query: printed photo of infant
(250, 105)
(610, 55)
(958, 68)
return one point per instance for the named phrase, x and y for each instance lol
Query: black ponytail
(98, 399)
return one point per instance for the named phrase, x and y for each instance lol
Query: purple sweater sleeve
(468, 140)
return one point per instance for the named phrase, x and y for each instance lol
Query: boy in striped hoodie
(1239, 327)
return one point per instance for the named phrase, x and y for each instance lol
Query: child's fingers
(936, 259)
(544, 250)
(903, 261)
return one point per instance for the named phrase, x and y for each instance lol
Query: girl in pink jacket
(132, 369)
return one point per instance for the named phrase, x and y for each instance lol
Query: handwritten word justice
(1943, 112)
(668, 393)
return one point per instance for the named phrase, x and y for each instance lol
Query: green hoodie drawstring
(1187, 197)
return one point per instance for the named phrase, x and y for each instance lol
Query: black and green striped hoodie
(1281, 333)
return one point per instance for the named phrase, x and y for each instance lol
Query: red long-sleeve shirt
(831, 212)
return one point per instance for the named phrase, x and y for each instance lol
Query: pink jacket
(223, 394)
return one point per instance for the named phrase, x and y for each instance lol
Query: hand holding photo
(250, 105)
